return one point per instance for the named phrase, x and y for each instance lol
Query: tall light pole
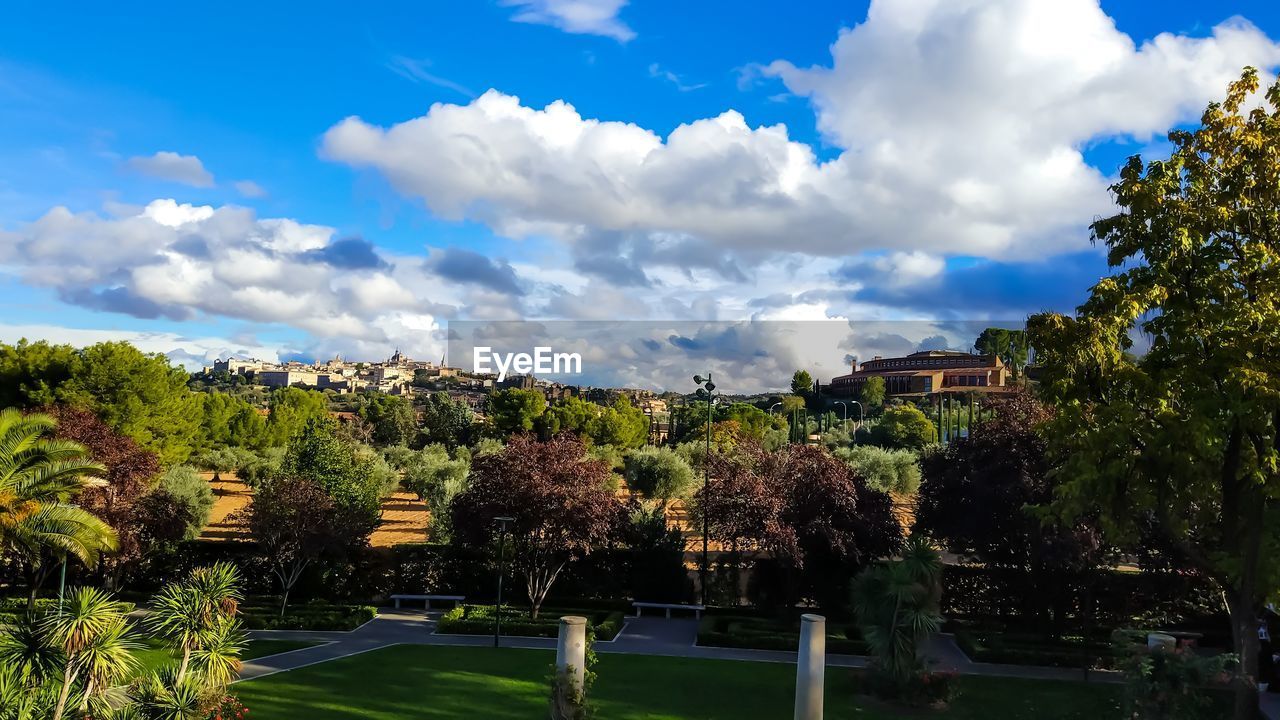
(705, 388)
(502, 521)
(845, 408)
(771, 407)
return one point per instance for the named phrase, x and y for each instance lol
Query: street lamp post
(502, 521)
(845, 408)
(771, 407)
(705, 388)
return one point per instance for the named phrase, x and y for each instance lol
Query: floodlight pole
(502, 554)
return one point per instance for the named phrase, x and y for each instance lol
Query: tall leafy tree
(1008, 345)
(559, 499)
(446, 421)
(873, 392)
(323, 455)
(391, 418)
(139, 394)
(126, 501)
(978, 500)
(803, 506)
(297, 523)
(515, 410)
(802, 383)
(1185, 438)
(436, 479)
(230, 421)
(291, 409)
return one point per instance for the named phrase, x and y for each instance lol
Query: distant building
(926, 373)
(287, 378)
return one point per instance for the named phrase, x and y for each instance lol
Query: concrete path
(1270, 704)
(639, 636)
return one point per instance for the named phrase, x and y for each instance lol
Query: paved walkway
(640, 636)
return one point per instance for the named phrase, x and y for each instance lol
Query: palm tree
(91, 633)
(38, 478)
(198, 616)
(897, 607)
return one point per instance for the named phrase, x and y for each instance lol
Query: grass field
(445, 683)
(154, 653)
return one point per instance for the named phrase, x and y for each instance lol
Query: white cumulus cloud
(165, 165)
(960, 126)
(582, 17)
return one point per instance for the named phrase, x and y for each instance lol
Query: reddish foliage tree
(558, 497)
(296, 523)
(803, 507)
(977, 496)
(130, 468)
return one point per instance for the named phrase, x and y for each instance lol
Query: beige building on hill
(927, 372)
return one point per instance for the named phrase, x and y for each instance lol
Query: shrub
(1165, 684)
(895, 471)
(312, 616)
(184, 484)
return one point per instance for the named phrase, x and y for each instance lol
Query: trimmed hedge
(308, 617)
(478, 620)
(736, 631)
(994, 646)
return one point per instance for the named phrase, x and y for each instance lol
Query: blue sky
(941, 159)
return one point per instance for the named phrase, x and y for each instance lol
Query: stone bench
(697, 609)
(428, 598)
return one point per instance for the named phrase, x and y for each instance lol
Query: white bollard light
(811, 664)
(571, 649)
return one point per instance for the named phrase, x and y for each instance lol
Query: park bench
(697, 609)
(428, 598)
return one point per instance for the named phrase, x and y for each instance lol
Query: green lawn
(443, 683)
(154, 653)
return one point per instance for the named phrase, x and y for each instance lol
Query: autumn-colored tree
(978, 497)
(142, 527)
(805, 508)
(1186, 437)
(558, 498)
(296, 523)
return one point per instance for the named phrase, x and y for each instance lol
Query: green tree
(436, 478)
(445, 421)
(514, 410)
(139, 394)
(230, 421)
(392, 419)
(659, 473)
(873, 393)
(620, 425)
(571, 414)
(1008, 345)
(291, 409)
(904, 426)
(1186, 438)
(802, 383)
(192, 492)
(321, 454)
(31, 373)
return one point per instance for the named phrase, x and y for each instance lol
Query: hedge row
(755, 633)
(478, 620)
(308, 617)
(1021, 649)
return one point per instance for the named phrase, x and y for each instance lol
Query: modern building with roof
(926, 373)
